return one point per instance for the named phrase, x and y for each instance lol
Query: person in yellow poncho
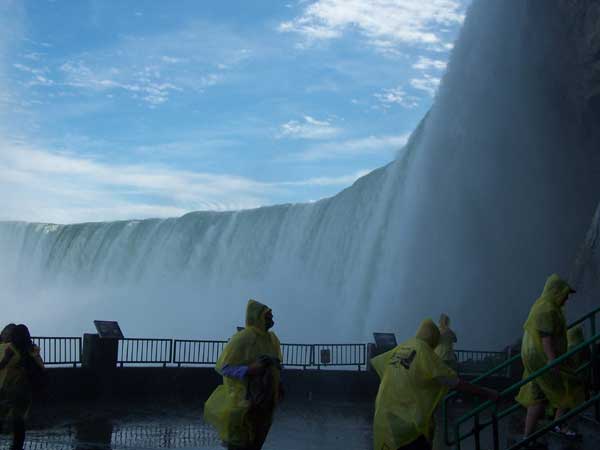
(413, 381)
(575, 336)
(20, 369)
(445, 349)
(544, 340)
(241, 409)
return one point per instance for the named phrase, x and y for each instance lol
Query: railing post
(457, 436)
(495, 431)
(445, 422)
(477, 431)
(595, 364)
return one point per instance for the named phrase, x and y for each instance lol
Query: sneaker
(566, 434)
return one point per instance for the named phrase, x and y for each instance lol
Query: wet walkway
(309, 425)
(299, 426)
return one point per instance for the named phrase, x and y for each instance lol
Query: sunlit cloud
(41, 185)
(427, 84)
(397, 96)
(344, 180)
(385, 24)
(147, 68)
(353, 148)
(425, 63)
(308, 128)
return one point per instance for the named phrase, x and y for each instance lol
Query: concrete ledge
(190, 382)
(199, 382)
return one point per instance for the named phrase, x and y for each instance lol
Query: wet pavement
(299, 425)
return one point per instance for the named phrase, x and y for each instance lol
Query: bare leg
(534, 414)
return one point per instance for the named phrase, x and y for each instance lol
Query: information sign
(385, 341)
(108, 329)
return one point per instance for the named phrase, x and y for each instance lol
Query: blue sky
(113, 109)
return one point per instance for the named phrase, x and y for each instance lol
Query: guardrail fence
(340, 355)
(197, 352)
(477, 362)
(145, 351)
(59, 351)
(65, 351)
(297, 355)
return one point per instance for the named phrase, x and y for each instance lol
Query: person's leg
(534, 414)
(18, 434)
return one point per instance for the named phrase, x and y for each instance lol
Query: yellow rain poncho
(574, 338)
(413, 381)
(15, 390)
(239, 420)
(547, 319)
(445, 349)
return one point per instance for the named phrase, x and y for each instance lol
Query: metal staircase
(486, 421)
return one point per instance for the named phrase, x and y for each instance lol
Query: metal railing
(59, 351)
(329, 355)
(193, 352)
(206, 352)
(145, 351)
(471, 362)
(476, 415)
(68, 351)
(297, 355)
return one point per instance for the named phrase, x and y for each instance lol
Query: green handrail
(479, 425)
(589, 315)
(511, 389)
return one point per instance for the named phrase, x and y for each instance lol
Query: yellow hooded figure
(413, 381)
(241, 409)
(548, 319)
(575, 336)
(445, 349)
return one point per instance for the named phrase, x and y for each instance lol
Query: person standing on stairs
(544, 340)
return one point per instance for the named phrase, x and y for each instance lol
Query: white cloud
(398, 96)
(344, 180)
(147, 68)
(352, 148)
(425, 63)
(41, 185)
(385, 24)
(145, 84)
(428, 84)
(172, 60)
(308, 128)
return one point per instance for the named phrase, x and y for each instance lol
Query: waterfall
(494, 191)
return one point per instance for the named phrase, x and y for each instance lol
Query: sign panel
(385, 341)
(325, 356)
(108, 329)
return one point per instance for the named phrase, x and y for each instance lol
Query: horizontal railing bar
(562, 419)
(530, 378)
(145, 340)
(584, 318)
